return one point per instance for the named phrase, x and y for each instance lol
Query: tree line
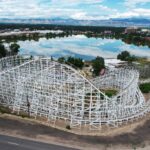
(60, 27)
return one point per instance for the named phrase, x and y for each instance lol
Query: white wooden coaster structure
(56, 91)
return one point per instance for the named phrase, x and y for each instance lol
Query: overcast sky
(76, 9)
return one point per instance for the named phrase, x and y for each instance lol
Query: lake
(80, 46)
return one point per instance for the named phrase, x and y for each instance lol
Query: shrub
(110, 93)
(145, 87)
(23, 115)
(5, 110)
(68, 127)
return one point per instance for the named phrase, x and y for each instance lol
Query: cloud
(134, 3)
(32, 9)
(42, 8)
(76, 9)
(138, 12)
(99, 12)
(138, 51)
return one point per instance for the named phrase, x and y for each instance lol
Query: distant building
(107, 32)
(147, 38)
(145, 30)
(16, 30)
(26, 29)
(131, 30)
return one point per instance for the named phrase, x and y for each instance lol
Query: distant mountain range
(117, 22)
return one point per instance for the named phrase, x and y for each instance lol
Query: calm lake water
(80, 46)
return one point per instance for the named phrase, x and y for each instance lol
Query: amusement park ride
(57, 91)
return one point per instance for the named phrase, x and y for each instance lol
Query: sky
(75, 9)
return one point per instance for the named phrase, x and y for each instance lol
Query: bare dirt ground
(147, 96)
(133, 136)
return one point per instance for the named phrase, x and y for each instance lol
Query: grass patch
(24, 115)
(145, 87)
(110, 92)
(4, 109)
(7, 110)
(143, 61)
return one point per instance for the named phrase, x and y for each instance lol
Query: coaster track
(57, 91)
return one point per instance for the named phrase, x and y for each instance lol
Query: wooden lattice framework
(57, 91)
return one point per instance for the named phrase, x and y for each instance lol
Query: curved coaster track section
(57, 91)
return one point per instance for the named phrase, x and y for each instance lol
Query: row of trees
(97, 64)
(74, 62)
(67, 28)
(13, 50)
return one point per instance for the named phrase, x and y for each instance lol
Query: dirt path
(138, 137)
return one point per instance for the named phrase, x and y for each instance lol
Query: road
(12, 143)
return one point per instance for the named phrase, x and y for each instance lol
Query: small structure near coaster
(46, 88)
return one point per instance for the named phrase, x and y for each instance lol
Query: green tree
(98, 64)
(3, 51)
(14, 48)
(132, 58)
(75, 62)
(124, 55)
(61, 60)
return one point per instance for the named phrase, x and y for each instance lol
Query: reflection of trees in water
(33, 36)
(136, 39)
(88, 31)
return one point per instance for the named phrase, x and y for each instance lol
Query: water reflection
(80, 46)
